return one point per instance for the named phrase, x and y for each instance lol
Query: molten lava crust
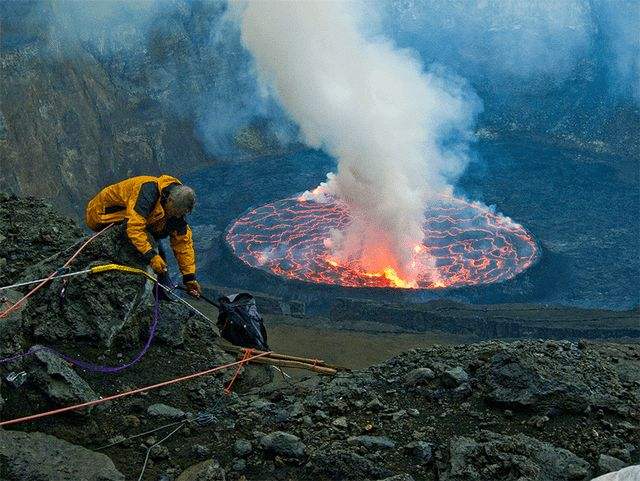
(465, 244)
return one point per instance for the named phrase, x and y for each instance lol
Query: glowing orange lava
(465, 244)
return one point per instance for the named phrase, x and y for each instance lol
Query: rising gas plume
(398, 132)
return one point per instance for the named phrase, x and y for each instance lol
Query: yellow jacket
(138, 202)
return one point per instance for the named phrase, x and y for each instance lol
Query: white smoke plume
(399, 133)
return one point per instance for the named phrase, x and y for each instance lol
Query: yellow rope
(119, 267)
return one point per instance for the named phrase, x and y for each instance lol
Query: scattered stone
(399, 477)
(57, 380)
(131, 421)
(375, 405)
(607, 464)
(569, 380)
(200, 451)
(341, 464)
(496, 456)
(537, 421)
(455, 377)
(420, 450)
(242, 447)
(297, 410)
(172, 324)
(376, 442)
(239, 465)
(209, 470)
(164, 411)
(419, 376)
(340, 422)
(283, 444)
(159, 452)
(321, 415)
(29, 456)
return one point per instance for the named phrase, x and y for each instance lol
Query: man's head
(180, 201)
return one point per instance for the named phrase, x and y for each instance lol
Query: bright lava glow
(469, 243)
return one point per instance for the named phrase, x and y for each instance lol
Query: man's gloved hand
(158, 264)
(193, 288)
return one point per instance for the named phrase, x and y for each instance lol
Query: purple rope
(88, 366)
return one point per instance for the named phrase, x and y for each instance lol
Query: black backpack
(240, 323)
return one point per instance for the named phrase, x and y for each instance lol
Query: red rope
(129, 393)
(242, 362)
(13, 307)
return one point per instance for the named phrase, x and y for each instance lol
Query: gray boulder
(607, 464)
(375, 442)
(399, 477)
(510, 458)
(96, 306)
(341, 464)
(283, 444)
(173, 322)
(419, 376)
(209, 470)
(455, 376)
(422, 451)
(41, 457)
(242, 447)
(54, 377)
(164, 411)
(552, 374)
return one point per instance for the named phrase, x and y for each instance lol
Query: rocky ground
(524, 410)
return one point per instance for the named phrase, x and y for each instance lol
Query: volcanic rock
(53, 377)
(375, 442)
(209, 470)
(607, 464)
(563, 377)
(341, 464)
(172, 323)
(399, 477)
(283, 444)
(420, 450)
(340, 422)
(38, 456)
(30, 231)
(95, 307)
(164, 411)
(454, 377)
(510, 458)
(242, 447)
(419, 376)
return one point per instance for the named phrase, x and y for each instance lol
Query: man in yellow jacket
(152, 208)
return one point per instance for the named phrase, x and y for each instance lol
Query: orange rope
(129, 393)
(13, 307)
(243, 361)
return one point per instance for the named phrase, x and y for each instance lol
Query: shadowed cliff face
(68, 127)
(77, 113)
(69, 130)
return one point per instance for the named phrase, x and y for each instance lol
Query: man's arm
(181, 241)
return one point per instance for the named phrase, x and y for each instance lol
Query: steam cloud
(494, 44)
(399, 133)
